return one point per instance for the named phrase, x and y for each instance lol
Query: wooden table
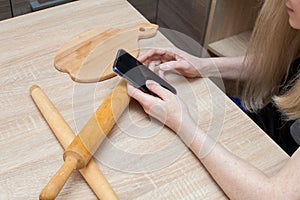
(140, 158)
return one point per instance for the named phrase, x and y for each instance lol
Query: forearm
(228, 67)
(223, 67)
(237, 178)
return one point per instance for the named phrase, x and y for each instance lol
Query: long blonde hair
(273, 47)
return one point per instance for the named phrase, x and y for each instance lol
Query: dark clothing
(271, 120)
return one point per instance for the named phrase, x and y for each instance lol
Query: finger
(169, 56)
(172, 65)
(135, 93)
(139, 95)
(165, 66)
(158, 54)
(143, 58)
(153, 59)
(177, 66)
(157, 62)
(151, 66)
(161, 74)
(159, 90)
(147, 101)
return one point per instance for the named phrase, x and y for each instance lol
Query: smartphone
(136, 73)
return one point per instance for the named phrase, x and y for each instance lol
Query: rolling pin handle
(57, 182)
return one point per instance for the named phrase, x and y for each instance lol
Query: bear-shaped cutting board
(89, 56)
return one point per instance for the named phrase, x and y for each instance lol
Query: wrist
(197, 140)
(208, 67)
(204, 67)
(187, 132)
(228, 67)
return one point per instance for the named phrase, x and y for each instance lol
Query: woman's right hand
(172, 60)
(168, 108)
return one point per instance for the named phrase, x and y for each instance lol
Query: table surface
(141, 159)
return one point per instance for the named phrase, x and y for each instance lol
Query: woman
(271, 85)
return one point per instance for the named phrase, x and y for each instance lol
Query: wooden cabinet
(13, 8)
(182, 22)
(5, 11)
(148, 8)
(187, 16)
(229, 26)
(20, 7)
(221, 26)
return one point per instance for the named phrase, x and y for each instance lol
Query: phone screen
(136, 73)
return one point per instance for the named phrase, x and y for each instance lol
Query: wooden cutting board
(89, 56)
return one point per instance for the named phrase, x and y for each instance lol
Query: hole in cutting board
(142, 29)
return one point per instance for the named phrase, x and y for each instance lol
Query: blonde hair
(273, 47)
(289, 103)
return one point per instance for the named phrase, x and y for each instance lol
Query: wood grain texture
(187, 17)
(5, 11)
(65, 136)
(30, 153)
(78, 154)
(148, 8)
(89, 56)
(20, 7)
(230, 17)
(235, 45)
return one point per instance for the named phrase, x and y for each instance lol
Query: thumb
(162, 92)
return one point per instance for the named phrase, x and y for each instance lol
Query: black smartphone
(136, 73)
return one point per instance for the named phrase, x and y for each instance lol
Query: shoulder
(295, 131)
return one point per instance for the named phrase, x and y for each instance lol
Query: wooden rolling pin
(80, 151)
(65, 136)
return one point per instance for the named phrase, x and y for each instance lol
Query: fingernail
(164, 67)
(151, 65)
(130, 89)
(151, 83)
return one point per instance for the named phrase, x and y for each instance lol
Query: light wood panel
(5, 11)
(235, 45)
(229, 18)
(64, 134)
(30, 153)
(88, 57)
